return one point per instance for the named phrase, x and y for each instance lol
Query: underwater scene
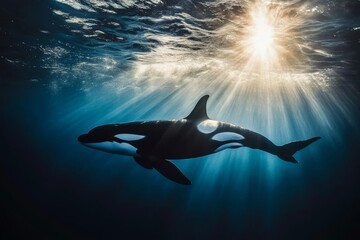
(190, 77)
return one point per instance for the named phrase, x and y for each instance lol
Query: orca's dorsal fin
(199, 111)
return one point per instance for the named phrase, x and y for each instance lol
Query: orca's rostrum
(154, 143)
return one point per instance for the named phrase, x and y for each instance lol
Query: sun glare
(261, 37)
(264, 38)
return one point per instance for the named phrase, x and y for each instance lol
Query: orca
(153, 143)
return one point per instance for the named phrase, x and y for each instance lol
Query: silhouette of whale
(153, 143)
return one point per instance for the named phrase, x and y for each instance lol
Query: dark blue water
(68, 66)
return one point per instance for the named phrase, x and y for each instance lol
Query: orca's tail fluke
(287, 151)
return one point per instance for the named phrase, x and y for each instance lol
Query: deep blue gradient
(68, 66)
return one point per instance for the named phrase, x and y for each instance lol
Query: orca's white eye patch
(208, 126)
(227, 136)
(129, 137)
(228, 145)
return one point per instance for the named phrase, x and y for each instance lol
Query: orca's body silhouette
(153, 143)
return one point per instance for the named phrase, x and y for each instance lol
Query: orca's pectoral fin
(170, 171)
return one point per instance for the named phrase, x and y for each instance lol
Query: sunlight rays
(256, 72)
